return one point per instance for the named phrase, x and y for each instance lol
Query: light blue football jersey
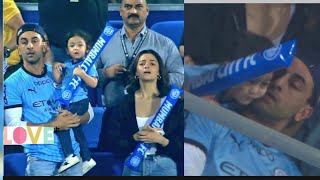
(37, 96)
(82, 92)
(232, 154)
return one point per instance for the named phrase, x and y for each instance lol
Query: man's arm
(88, 116)
(174, 64)
(14, 23)
(100, 67)
(63, 120)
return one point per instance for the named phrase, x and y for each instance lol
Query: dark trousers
(80, 108)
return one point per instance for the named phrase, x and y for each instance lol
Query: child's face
(77, 48)
(245, 93)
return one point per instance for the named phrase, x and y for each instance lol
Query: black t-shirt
(59, 18)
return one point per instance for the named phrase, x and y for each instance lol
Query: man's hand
(66, 120)
(188, 60)
(114, 70)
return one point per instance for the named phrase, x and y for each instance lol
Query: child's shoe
(87, 165)
(70, 161)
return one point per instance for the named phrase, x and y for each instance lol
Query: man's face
(288, 93)
(134, 13)
(31, 47)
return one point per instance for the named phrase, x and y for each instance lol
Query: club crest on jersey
(280, 172)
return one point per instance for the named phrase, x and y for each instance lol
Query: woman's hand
(150, 135)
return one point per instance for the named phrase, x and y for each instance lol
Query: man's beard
(134, 25)
(265, 112)
(33, 61)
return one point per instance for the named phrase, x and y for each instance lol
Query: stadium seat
(100, 102)
(92, 130)
(116, 23)
(171, 29)
(14, 164)
(92, 95)
(107, 165)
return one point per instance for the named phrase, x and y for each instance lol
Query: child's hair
(246, 43)
(81, 33)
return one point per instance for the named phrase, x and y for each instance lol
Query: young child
(243, 94)
(239, 95)
(77, 46)
(234, 98)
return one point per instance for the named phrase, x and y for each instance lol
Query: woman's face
(147, 67)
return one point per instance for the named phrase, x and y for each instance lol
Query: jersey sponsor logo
(263, 151)
(32, 90)
(232, 169)
(43, 82)
(42, 103)
(234, 139)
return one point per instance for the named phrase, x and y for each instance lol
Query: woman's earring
(159, 77)
(136, 77)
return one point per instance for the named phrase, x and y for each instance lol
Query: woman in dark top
(127, 124)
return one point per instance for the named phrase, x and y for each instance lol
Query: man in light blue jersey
(132, 38)
(212, 149)
(30, 99)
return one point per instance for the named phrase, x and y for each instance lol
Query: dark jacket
(119, 125)
(58, 19)
(210, 29)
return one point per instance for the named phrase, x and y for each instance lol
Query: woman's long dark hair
(162, 83)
